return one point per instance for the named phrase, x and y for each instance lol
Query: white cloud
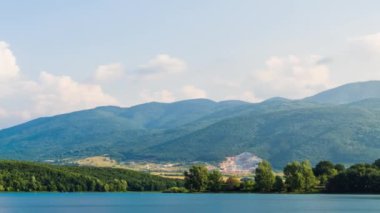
(158, 96)
(60, 94)
(8, 67)
(22, 99)
(163, 63)
(358, 61)
(109, 72)
(291, 77)
(190, 91)
(51, 95)
(370, 42)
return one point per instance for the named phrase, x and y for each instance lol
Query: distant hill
(338, 133)
(348, 93)
(342, 125)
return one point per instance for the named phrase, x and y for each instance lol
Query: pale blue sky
(171, 50)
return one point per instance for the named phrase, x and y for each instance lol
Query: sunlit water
(158, 202)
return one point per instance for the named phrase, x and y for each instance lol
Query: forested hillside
(27, 176)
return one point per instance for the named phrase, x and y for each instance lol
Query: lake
(194, 203)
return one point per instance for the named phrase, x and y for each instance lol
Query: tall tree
(264, 177)
(232, 184)
(359, 178)
(377, 163)
(215, 181)
(340, 167)
(324, 170)
(196, 178)
(308, 175)
(279, 185)
(299, 177)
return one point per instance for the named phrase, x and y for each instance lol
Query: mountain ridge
(348, 93)
(280, 130)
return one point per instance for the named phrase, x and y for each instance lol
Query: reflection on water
(157, 202)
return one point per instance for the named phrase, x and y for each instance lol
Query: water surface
(158, 202)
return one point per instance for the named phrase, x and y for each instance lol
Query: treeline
(297, 177)
(28, 177)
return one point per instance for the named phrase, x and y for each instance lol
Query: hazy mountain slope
(341, 134)
(104, 130)
(172, 115)
(372, 104)
(348, 93)
(270, 105)
(55, 136)
(278, 130)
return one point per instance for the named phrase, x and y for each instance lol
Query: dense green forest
(298, 177)
(27, 176)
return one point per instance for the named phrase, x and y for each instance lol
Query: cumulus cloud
(158, 96)
(291, 76)
(22, 98)
(162, 63)
(52, 94)
(8, 67)
(190, 91)
(109, 72)
(59, 94)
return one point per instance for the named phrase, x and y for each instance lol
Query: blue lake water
(158, 202)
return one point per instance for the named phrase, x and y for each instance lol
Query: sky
(59, 56)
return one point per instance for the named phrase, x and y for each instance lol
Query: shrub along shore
(297, 177)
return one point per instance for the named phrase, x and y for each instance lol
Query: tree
(215, 181)
(299, 177)
(308, 175)
(377, 163)
(279, 185)
(232, 184)
(293, 176)
(264, 177)
(359, 178)
(339, 167)
(196, 178)
(324, 170)
(247, 185)
(323, 167)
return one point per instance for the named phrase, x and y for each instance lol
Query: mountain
(342, 125)
(104, 130)
(348, 93)
(338, 133)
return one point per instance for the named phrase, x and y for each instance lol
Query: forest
(18, 176)
(296, 177)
